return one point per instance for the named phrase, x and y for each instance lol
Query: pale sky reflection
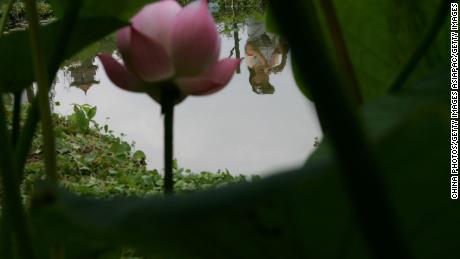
(234, 129)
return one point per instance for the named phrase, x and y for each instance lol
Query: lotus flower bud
(169, 43)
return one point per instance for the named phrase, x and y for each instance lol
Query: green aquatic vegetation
(93, 161)
(17, 15)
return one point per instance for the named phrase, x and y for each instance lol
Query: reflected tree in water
(236, 37)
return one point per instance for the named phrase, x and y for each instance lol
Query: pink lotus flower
(168, 43)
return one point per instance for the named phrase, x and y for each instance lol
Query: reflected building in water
(265, 54)
(83, 75)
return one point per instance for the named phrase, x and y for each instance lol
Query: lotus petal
(121, 76)
(156, 21)
(150, 61)
(195, 42)
(124, 45)
(215, 79)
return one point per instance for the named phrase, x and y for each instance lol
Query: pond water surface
(259, 124)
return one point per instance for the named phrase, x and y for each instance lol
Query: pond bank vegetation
(93, 161)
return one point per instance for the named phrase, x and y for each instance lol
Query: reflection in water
(265, 53)
(236, 49)
(233, 129)
(82, 74)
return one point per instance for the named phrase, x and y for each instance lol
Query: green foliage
(378, 59)
(82, 116)
(14, 47)
(17, 15)
(229, 18)
(93, 161)
(105, 45)
(401, 24)
(309, 205)
(117, 9)
(89, 21)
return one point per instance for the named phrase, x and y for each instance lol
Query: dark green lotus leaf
(290, 215)
(16, 71)
(381, 36)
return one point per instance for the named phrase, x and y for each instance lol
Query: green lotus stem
(341, 51)
(4, 20)
(168, 97)
(13, 208)
(41, 76)
(26, 138)
(16, 119)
